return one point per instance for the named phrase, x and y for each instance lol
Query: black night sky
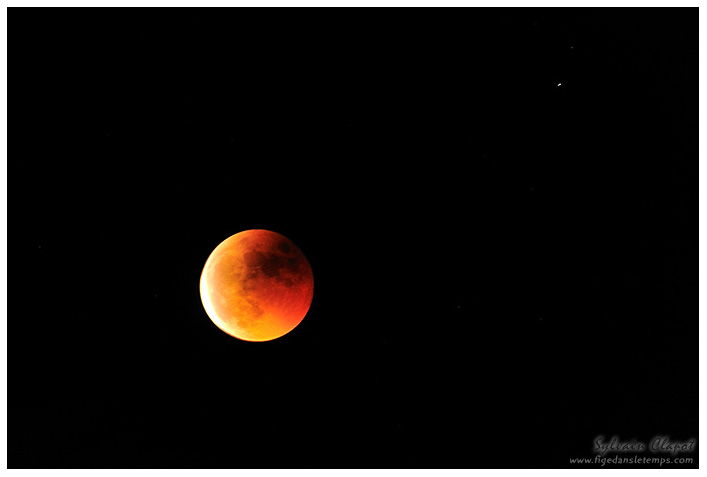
(499, 207)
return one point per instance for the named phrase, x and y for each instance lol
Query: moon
(257, 285)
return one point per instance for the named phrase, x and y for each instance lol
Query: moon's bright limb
(256, 285)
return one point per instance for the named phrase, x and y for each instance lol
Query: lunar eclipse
(257, 285)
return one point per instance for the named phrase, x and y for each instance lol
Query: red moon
(257, 285)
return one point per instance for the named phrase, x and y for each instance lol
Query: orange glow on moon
(256, 285)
